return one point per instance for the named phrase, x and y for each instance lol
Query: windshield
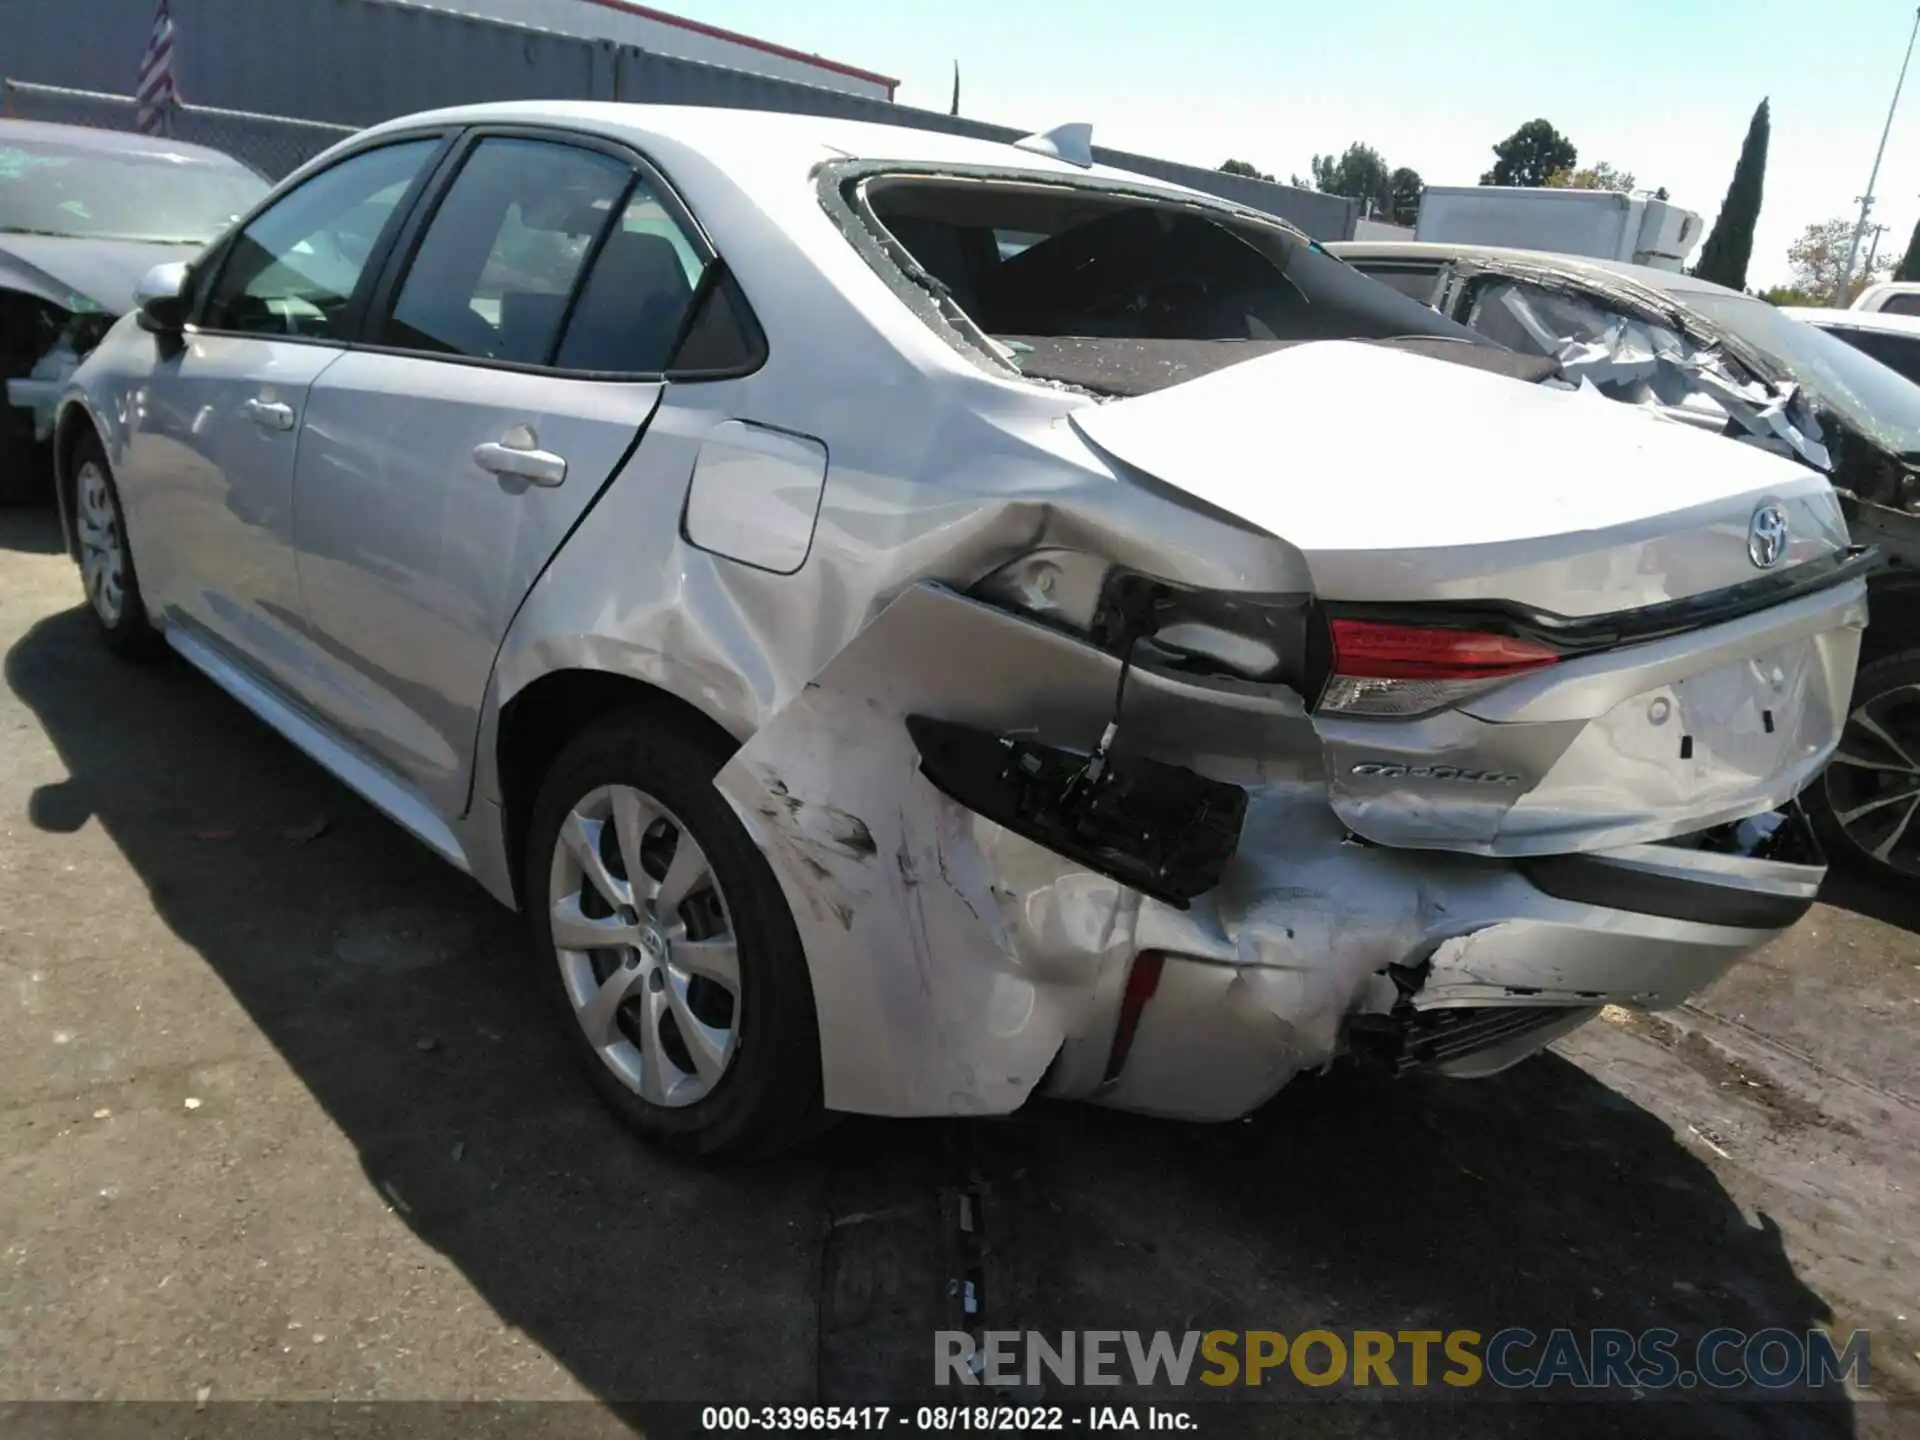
(48, 188)
(1879, 402)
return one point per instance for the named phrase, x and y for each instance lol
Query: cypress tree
(1723, 259)
(1910, 262)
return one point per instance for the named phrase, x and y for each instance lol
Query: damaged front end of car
(1644, 348)
(43, 340)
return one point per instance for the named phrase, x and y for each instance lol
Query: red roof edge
(646, 12)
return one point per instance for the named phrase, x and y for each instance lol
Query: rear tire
(1866, 804)
(106, 556)
(677, 971)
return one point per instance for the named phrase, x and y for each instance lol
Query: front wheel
(106, 556)
(664, 939)
(1866, 804)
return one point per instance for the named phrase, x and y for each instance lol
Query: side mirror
(161, 300)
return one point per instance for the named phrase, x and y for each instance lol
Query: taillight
(1382, 668)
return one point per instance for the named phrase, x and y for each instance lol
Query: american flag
(155, 91)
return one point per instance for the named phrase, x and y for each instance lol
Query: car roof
(765, 144)
(1854, 319)
(119, 142)
(1670, 281)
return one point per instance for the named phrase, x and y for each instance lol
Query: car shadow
(31, 529)
(398, 994)
(1875, 899)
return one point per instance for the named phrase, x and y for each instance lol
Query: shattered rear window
(1111, 289)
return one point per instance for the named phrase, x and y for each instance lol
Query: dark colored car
(83, 215)
(1890, 336)
(1733, 364)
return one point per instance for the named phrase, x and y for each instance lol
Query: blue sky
(1663, 90)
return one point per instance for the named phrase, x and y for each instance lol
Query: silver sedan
(918, 624)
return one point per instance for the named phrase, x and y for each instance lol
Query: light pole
(1866, 200)
(1874, 248)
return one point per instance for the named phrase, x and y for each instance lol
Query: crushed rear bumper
(960, 967)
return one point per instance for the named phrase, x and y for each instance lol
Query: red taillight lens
(1367, 649)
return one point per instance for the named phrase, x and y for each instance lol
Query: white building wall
(616, 21)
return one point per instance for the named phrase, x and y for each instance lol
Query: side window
(637, 295)
(1415, 284)
(294, 269)
(494, 271)
(1535, 320)
(1896, 352)
(1902, 302)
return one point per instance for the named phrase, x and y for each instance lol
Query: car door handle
(518, 453)
(270, 413)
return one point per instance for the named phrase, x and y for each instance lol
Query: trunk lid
(1404, 479)
(1442, 499)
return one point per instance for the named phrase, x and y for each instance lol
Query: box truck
(1604, 224)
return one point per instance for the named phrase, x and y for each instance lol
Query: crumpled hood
(1401, 478)
(70, 272)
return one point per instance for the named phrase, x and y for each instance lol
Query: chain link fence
(272, 144)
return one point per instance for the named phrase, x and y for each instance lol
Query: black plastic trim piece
(1159, 828)
(1582, 635)
(1589, 880)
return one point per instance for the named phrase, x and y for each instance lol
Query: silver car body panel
(956, 966)
(1600, 510)
(203, 450)
(1636, 744)
(411, 568)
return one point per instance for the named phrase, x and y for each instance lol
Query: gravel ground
(280, 1118)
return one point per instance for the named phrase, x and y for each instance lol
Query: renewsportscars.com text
(1514, 1358)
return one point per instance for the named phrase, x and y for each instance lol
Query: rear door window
(550, 254)
(495, 270)
(635, 303)
(1416, 282)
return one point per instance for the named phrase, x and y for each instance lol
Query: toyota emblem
(1767, 536)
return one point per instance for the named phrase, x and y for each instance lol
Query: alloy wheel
(646, 946)
(1873, 780)
(103, 551)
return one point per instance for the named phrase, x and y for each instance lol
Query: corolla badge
(1767, 536)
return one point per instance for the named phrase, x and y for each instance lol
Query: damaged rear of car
(1734, 365)
(1393, 699)
(1015, 629)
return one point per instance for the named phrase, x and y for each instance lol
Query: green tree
(1591, 177)
(1359, 174)
(1241, 167)
(1909, 266)
(1529, 155)
(1816, 258)
(1404, 189)
(1723, 259)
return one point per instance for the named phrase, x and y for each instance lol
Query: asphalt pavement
(281, 1118)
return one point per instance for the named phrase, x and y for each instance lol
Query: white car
(919, 623)
(1889, 297)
